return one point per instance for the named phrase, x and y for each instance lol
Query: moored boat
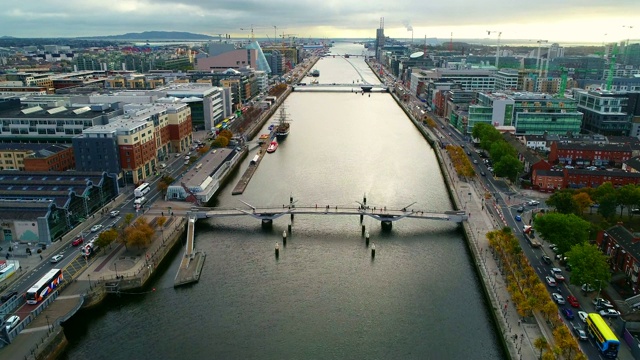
(282, 129)
(315, 73)
(273, 146)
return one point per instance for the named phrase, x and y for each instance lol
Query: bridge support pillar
(289, 228)
(361, 218)
(386, 225)
(292, 217)
(267, 223)
(366, 238)
(363, 229)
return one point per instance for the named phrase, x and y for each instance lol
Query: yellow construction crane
(289, 36)
(253, 38)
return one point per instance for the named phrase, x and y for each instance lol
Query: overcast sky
(553, 20)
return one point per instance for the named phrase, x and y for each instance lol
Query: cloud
(327, 18)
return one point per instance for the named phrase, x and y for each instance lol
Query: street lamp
(89, 276)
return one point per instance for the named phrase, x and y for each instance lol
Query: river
(325, 297)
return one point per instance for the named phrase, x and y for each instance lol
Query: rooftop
(197, 176)
(40, 150)
(593, 147)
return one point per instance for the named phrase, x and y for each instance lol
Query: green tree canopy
(564, 230)
(220, 142)
(563, 201)
(628, 195)
(509, 166)
(487, 135)
(107, 237)
(583, 201)
(588, 265)
(499, 149)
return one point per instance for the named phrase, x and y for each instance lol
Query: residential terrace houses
(623, 248)
(590, 154)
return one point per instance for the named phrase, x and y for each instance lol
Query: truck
(531, 237)
(137, 203)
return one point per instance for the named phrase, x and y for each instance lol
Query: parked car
(520, 209)
(573, 301)
(77, 241)
(475, 161)
(551, 281)
(609, 313)
(583, 316)
(96, 228)
(56, 258)
(12, 322)
(587, 288)
(580, 333)
(568, 313)
(547, 260)
(114, 213)
(557, 273)
(558, 298)
(601, 301)
(6, 297)
(483, 173)
(533, 203)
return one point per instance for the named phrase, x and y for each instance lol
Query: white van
(12, 322)
(163, 165)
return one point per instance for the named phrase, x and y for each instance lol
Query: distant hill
(155, 35)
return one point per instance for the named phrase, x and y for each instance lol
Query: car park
(609, 313)
(547, 260)
(568, 313)
(114, 213)
(56, 258)
(583, 316)
(550, 281)
(96, 228)
(77, 241)
(558, 298)
(573, 301)
(12, 322)
(6, 297)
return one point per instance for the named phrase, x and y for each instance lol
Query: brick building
(623, 248)
(53, 157)
(589, 154)
(546, 180)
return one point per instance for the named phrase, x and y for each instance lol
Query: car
(6, 297)
(601, 301)
(114, 213)
(518, 218)
(573, 301)
(533, 203)
(635, 211)
(587, 288)
(547, 260)
(162, 165)
(583, 316)
(551, 281)
(559, 257)
(490, 169)
(56, 258)
(178, 155)
(520, 209)
(558, 298)
(475, 161)
(483, 173)
(187, 157)
(77, 241)
(557, 273)
(580, 333)
(96, 228)
(12, 322)
(568, 313)
(609, 313)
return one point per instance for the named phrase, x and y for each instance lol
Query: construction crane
(612, 66)
(253, 38)
(498, 47)
(289, 36)
(538, 67)
(563, 82)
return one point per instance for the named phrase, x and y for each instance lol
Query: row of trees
(504, 155)
(530, 295)
(138, 233)
(608, 198)
(460, 161)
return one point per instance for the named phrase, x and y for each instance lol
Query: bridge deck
(383, 214)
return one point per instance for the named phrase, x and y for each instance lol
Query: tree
(541, 344)
(162, 187)
(607, 206)
(582, 202)
(628, 196)
(139, 234)
(107, 238)
(509, 167)
(220, 142)
(499, 149)
(203, 150)
(588, 265)
(563, 201)
(564, 230)
(226, 133)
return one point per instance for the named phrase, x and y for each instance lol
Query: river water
(325, 297)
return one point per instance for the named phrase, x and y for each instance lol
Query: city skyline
(571, 21)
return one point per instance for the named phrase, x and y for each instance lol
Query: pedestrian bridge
(334, 87)
(384, 215)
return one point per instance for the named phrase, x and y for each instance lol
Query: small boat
(272, 147)
(264, 136)
(315, 73)
(282, 129)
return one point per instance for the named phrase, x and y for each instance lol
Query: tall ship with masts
(282, 129)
